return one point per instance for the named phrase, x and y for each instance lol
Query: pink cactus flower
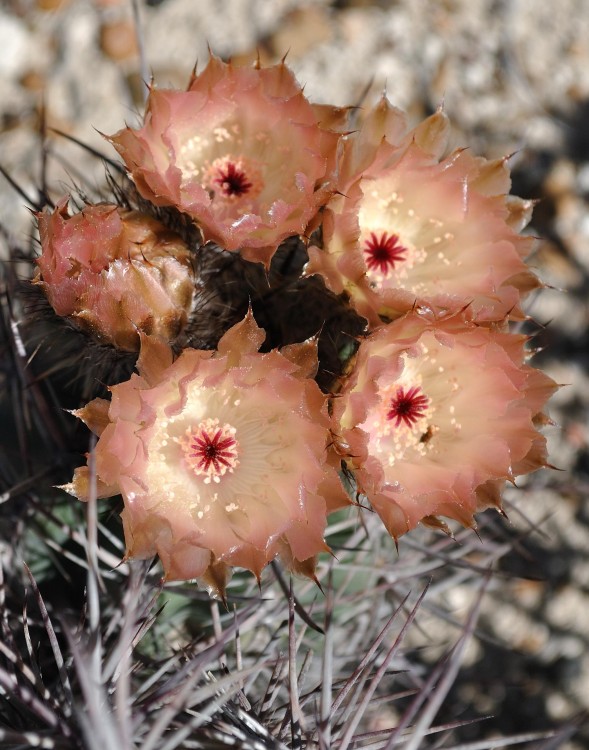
(436, 415)
(241, 151)
(114, 273)
(221, 458)
(415, 228)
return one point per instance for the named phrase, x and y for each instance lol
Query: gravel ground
(514, 78)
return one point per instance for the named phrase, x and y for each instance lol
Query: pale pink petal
(94, 415)
(83, 485)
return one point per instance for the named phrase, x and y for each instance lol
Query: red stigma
(216, 450)
(232, 181)
(383, 253)
(407, 407)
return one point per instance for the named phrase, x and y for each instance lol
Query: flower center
(210, 450)
(407, 406)
(232, 178)
(382, 253)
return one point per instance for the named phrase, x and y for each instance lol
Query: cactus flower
(435, 415)
(415, 228)
(241, 151)
(221, 458)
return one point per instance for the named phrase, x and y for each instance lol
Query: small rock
(13, 45)
(118, 40)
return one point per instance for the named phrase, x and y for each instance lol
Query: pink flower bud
(114, 273)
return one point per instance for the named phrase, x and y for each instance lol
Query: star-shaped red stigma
(210, 449)
(407, 406)
(232, 180)
(382, 253)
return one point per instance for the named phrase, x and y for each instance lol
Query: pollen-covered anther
(210, 450)
(229, 178)
(408, 407)
(384, 252)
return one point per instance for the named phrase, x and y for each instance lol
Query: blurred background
(513, 76)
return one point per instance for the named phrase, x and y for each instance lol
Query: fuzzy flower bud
(241, 151)
(115, 272)
(221, 458)
(436, 415)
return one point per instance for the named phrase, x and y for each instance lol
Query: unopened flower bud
(115, 272)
